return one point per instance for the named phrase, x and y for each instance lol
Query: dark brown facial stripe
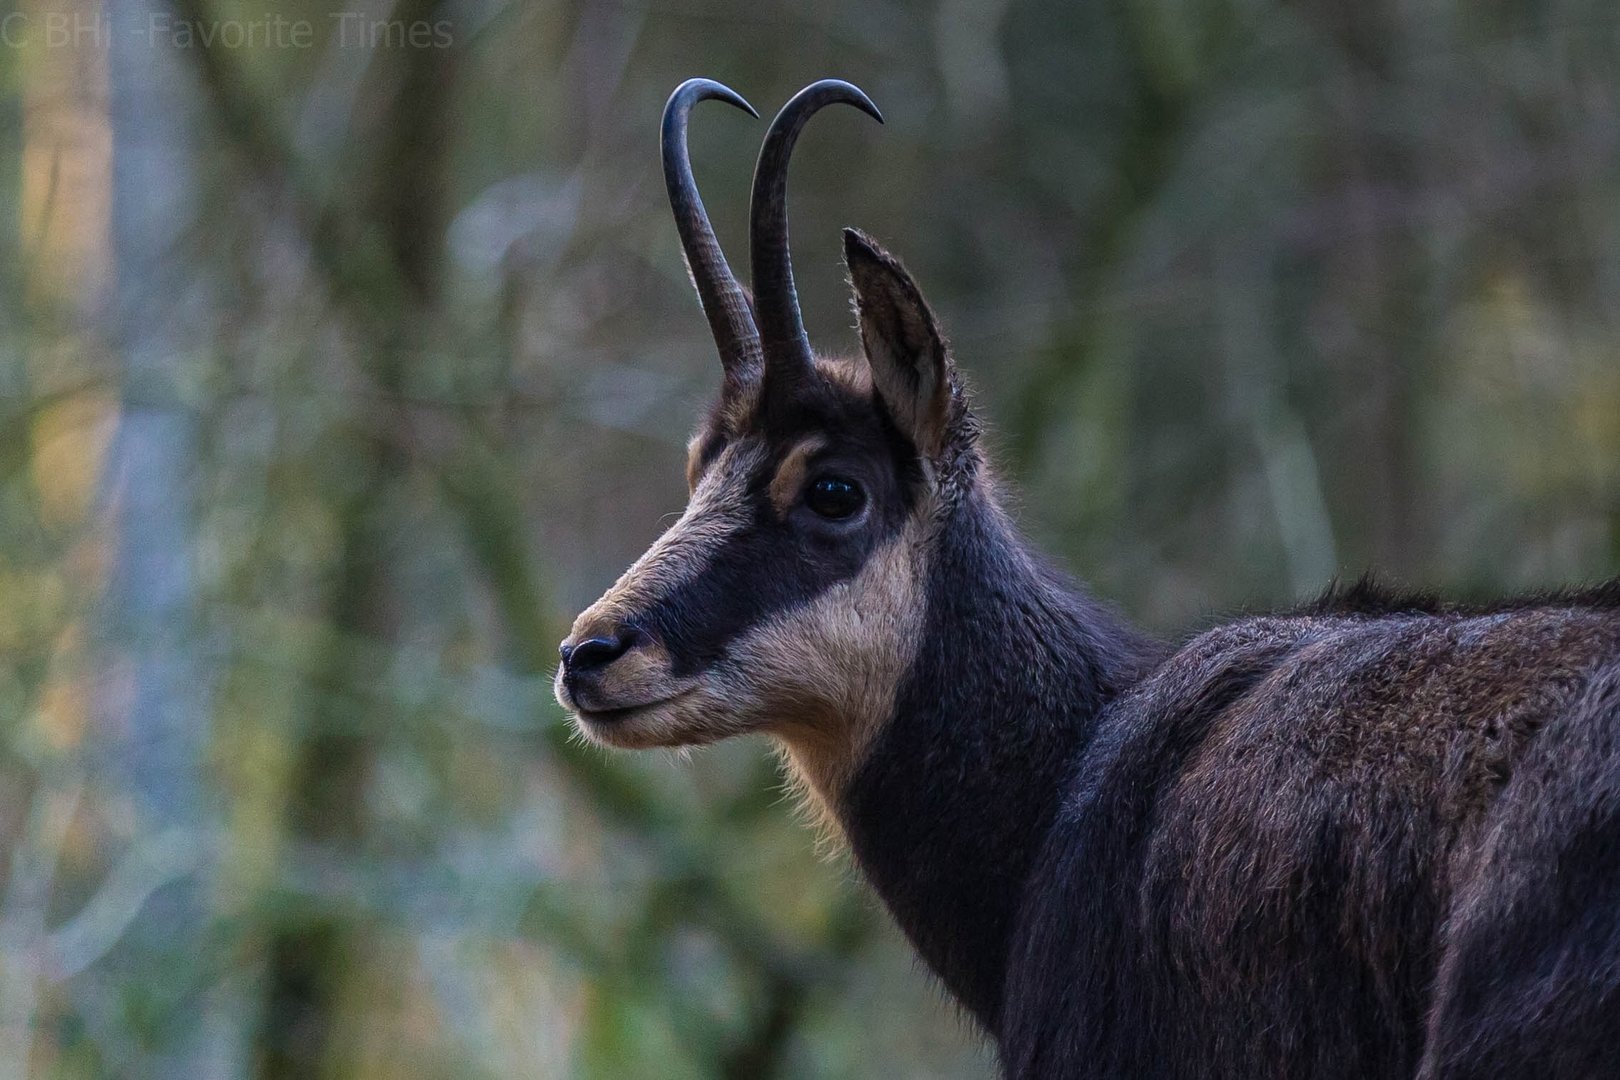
(776, 554)
(791, 474)
(766, 567)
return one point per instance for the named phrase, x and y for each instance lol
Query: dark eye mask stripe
(762, 571)
(783, 557)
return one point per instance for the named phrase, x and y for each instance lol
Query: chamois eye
(834, 497)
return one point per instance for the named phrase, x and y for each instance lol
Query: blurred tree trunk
(312, 957)
(158, 322)
(315, 961)
(160, 709)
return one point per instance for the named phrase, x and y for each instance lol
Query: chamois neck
(948, 807)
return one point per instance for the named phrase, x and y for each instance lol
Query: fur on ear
(911, 364)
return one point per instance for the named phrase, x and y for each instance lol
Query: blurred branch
(358, 271)
(152, 863)
(1255, 394)
(23, 942)
(1143, 162)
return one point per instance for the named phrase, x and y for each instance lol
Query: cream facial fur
(821, 678)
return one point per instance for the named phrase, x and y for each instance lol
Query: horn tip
(857, 97)
(699, 89)
(866, 105)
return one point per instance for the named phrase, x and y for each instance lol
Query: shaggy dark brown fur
(1283, 853)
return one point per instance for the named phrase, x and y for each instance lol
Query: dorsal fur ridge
(1369, 597)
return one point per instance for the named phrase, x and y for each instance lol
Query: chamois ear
(911, 366)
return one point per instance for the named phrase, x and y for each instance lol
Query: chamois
(1378, 836)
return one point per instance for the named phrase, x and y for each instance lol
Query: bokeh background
(339, 368)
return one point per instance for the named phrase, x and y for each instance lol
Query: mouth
(635, 718)
(641, 726)
(612, 716)
(619, 714)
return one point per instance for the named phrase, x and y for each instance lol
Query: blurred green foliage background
(339, 369)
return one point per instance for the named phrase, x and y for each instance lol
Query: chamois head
(788, 596)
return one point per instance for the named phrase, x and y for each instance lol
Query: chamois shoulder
(1430, 705)
(1361, 648)
(1364, 680)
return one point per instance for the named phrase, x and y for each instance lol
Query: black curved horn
(776, 302)
(724, 301)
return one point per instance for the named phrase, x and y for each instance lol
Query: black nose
(596, 652)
